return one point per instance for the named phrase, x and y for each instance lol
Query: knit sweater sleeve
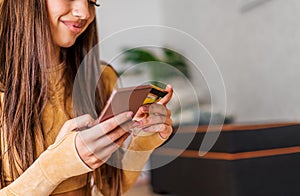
(136, 155)
(58, 163)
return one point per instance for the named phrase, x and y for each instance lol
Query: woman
(45, 148)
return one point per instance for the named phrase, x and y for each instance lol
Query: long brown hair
(25, 42)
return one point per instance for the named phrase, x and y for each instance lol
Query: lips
(73, 26)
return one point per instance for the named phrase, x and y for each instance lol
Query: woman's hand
(156, 117)
(95, 144)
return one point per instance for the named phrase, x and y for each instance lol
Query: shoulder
(108, 71)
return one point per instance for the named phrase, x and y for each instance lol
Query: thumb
(168, 97)
(77, 123)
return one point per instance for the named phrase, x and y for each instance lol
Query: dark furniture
(246, 160)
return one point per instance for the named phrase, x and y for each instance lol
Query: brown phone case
(124, 99)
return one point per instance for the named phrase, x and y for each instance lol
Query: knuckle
(163, 119)
(158, 109)
(125, 127)
(147, 120)
(164, 127)
(121, 118)
(98, 129)
(158, 127)
(107, 126)
(88, 117)
(68, 124)
(160, 119)
(87, 120)
(167, 127)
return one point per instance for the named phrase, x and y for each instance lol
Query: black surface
(265, 176)
(243, 141)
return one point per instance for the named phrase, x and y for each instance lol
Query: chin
(66, 43)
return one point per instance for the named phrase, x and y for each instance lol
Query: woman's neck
(55, 56)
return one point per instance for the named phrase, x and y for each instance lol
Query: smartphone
(130, 99)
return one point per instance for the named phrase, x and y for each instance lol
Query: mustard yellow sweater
(57, 111)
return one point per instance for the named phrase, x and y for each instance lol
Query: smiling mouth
(74, 27)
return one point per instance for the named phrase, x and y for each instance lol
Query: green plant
(168, 56)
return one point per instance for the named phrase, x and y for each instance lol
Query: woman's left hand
(156, 118)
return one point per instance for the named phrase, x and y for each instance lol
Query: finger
(96, 154)
(158, 109)
(155, 128)
(105, 153)
(142, 112)
(115, 145)
(165, 134)
(168, 97)
(164, 130)
(75, 124)
(121, 140)
(79, 122)
(153, 120)
(126, 127)
(114, 122)
(119, 132)
(105, 127)
(112, 136)
(86, 153)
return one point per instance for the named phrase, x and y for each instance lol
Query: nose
(81, 9)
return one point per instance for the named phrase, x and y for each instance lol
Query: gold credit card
(155, 95)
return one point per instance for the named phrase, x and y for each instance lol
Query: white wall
(257, 51)
(115, 16)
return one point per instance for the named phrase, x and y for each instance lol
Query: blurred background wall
(257, 48)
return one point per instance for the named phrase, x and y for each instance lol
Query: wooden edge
(227, 156)
(232, 127)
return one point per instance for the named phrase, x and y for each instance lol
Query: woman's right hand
(96, 143)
